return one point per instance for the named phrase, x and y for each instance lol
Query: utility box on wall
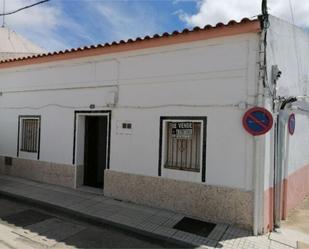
(124, 128)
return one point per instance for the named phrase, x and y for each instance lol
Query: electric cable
(299, 68)
(265, 25)
(122, 107)
(23, 8)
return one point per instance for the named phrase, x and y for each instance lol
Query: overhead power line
(23, 8)
(292, 11)
(3, 17)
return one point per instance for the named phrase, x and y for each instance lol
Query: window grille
(183, 146)
(29, 135)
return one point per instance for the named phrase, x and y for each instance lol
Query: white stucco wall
(206, 78)
(288, 47)
(298, 144)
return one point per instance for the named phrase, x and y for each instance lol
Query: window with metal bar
(183, 146)
(29, 135)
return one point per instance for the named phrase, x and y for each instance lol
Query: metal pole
(264, 7)
(3, 17)
(278, 171)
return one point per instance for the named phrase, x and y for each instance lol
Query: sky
(61, 24)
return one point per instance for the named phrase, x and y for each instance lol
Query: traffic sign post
(291, 124)
(257, 121)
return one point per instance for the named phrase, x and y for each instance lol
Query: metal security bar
(29, 138)
(183, 146)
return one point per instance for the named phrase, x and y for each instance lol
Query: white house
(158, 120)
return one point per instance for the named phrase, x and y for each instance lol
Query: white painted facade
(288, 48)
(208, 78)
(216, 78)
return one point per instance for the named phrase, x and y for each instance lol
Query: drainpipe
(277, 170)
(279, 156)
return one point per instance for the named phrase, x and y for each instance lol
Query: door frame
(83, 113)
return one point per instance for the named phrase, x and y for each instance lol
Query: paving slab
(94, 207)
(218, 232)
(58, 231)
(302, 245)
(26, 218)
(296, 227)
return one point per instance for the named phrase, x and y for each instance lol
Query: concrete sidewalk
(296, 227)
(153, 222)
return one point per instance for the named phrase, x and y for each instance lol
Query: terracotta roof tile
(138, 39)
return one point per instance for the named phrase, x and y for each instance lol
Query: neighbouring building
(13, 45)
(159, 120)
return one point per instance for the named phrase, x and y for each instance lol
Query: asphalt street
(23, 226)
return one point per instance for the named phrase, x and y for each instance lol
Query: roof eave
(197, 34)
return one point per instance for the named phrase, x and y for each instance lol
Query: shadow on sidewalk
(49, 230)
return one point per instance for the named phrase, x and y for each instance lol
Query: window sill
(182, 169)
(28, 151)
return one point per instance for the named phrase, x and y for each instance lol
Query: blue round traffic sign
(291, 124)
(257, 121)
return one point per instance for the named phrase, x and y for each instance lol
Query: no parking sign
(257, 121)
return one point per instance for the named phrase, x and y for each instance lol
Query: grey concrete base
(206, 202)
(46, 172)
(79, 175)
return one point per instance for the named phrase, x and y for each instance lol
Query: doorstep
(96, 208)
(90, 190)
